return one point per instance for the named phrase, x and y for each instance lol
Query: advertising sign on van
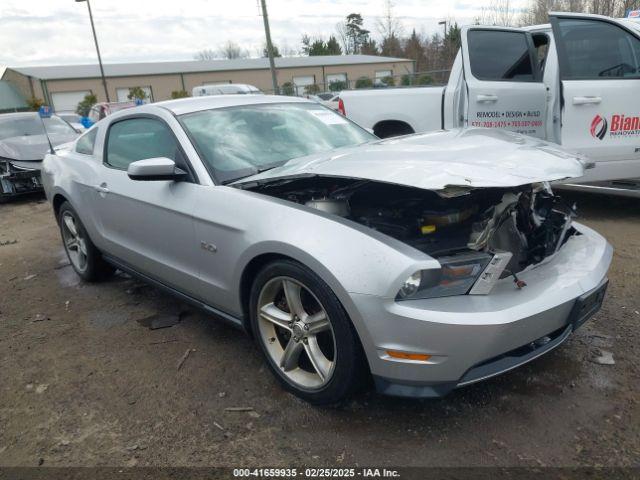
(633, 14)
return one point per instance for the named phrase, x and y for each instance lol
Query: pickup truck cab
(575, 82)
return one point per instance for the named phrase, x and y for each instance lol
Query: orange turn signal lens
(421, 357)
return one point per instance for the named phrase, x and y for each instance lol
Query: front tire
(305, 334)
(83, 255)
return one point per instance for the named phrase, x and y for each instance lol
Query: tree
(206, 54)
(386, 82)
(333, 46)
(352, 34)
(337, 86)
(414, 50)
(312, 89)
(137, 93)
(265, 53)
(35, 103)
(364, 82)
(84, 106)
(231, 50)
(287, 88)
(370, 47)
(391, 47)
(179, 94)
(389, 25)
(499, 12)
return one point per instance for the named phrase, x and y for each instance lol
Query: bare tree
(206, 54)
(232, 50)
(389, 25)
(499, 12)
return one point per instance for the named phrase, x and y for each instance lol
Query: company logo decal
(599, 127)
(618, 126)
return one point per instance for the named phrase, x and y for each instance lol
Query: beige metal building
(64, 86)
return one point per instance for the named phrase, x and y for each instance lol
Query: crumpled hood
(31, 147)
(472, 157)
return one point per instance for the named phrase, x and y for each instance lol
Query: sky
(55, 32)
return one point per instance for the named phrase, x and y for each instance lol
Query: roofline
(251, 69)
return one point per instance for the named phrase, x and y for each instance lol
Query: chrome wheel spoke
(292, 292)
(278, 317)
(318, 322)
(321, 364)
(72, 244)
(291, 355)
(71, 225)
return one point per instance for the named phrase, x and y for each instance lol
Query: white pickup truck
(575, 82)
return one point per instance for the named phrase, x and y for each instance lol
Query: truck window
(498, 55)
(596, 50)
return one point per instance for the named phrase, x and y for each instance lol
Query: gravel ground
(85, 382)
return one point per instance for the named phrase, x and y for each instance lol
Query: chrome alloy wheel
(295, 329)
(74, 242)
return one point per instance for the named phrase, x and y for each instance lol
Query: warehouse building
(64, 86)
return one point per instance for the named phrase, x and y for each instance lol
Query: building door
(67, 101)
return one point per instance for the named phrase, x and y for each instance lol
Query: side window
(85, 143)
(139, 139)
(596, 50)
(497, 55)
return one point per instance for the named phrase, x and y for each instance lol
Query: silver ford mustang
(425, 262)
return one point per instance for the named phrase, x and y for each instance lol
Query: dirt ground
(84, 383)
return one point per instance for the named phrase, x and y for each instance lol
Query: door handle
(487, 98)
(586, 100)
(102, 188)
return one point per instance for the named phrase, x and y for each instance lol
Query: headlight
(456, 276)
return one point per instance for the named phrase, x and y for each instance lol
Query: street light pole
(95, 39)
(267, 32)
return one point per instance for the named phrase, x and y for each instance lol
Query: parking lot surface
(84, 380)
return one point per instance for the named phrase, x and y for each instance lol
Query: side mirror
(151, 169)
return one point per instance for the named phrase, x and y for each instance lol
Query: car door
(599, 62)
(503, 81)
(147, 225)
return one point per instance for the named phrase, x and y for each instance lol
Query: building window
(336, 82)
(301, 83)
(123, 94)
(381, 75)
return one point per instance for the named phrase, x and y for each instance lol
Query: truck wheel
(305, 334)
(83, 255)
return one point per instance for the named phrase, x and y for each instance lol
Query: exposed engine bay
(528, 221)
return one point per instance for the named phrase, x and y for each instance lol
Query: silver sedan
(425, 262)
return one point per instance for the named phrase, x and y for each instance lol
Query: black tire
(96, 268)
(350, 370)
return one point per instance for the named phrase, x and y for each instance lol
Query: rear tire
(305, 335)
(83, 255)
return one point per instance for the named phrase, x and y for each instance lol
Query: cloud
(43, 32)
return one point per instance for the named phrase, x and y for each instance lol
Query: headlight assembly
(456, 276)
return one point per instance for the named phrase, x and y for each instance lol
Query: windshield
(240, 141)
(32, 125)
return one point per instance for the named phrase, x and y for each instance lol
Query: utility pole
(267, 32)
(95, 39)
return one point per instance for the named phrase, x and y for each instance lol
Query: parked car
(103, 109)
(225, 89)
(429, 262)
(23, 144)
(73, 119)
(574, 82)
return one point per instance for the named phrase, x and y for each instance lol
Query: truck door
(503, 80)
(599, 60)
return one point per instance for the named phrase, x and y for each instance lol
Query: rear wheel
(83, 255)
(305, 334)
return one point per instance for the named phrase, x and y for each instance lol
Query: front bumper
(16, 181)
(471, 338)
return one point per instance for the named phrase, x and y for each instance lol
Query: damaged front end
(17, 180)
(478, 235)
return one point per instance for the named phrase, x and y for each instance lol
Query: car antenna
(45, 112)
